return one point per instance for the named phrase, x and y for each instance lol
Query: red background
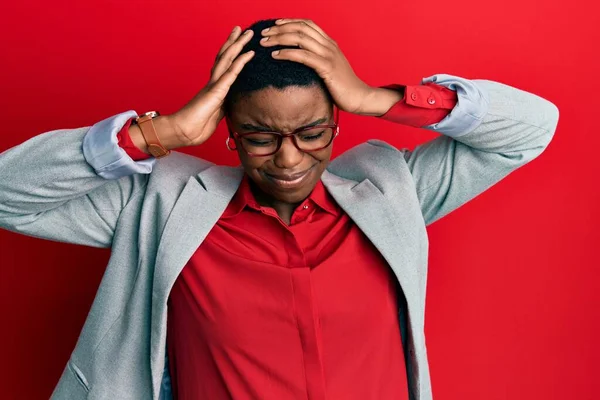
(512, 309)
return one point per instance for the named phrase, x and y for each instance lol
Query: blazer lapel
(370, 210)
(198, 208)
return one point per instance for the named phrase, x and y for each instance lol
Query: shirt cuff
(467, 115)
(102, 151)
(125, 142)
(421, 105)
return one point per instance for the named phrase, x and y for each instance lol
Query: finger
(224, 82)
(236, 37)
(308, 22)
(296, 39)
(230, 55)
(235, 33)
(297, 27)
(319, 64)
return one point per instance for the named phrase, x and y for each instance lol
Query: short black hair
(264, 71)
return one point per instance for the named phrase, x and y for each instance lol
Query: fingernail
(248, 32)
(234, 29)
(275, 53)
(266, 30)
(265, 39)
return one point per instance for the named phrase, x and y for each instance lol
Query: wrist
(379, 100)
(166, 130)
(169, 133)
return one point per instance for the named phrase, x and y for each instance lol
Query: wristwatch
(146, 125)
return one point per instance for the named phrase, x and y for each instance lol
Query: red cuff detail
(126, 144)
(422, 105)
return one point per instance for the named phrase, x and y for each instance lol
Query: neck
(283, 209)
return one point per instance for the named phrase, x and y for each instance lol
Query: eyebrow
(254, 128)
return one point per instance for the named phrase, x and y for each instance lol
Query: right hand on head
(198, 119)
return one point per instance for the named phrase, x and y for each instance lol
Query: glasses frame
(281, 135)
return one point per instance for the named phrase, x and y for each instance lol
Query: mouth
(289, 181)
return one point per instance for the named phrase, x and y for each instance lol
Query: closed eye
(311, 136)
(257, 142)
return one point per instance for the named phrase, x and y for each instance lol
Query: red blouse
(264, 310)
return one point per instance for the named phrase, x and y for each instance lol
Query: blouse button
(305, 207)
(413, 96)
(431, 101)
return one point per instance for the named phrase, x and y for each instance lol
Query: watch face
(146, 117)
(151, 114)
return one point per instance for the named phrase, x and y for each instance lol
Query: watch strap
(153, 144)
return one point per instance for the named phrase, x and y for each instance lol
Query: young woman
(292, 276)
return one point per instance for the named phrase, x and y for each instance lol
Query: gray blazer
(155, 214)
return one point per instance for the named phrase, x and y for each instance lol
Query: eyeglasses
(308, 139)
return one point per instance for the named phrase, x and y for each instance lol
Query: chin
(287, 195)
(295, 195)
(291, 197)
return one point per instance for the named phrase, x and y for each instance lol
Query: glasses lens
(314, 138)
(260, 143)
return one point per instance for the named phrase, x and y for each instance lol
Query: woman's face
(289, 175)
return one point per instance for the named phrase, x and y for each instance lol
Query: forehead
(282, 109)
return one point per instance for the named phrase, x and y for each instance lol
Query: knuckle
(282, 38)
(238, 64)
(218, 92)
(237, 61)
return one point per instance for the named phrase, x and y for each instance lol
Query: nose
(288, 156)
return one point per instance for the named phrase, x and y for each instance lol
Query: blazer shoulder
(376, 160)
(177, 168)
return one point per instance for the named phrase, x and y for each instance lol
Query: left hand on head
(321, 53)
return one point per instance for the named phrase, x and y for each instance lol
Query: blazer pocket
(78, 375)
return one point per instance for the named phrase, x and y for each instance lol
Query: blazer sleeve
(493, 130)
(70, 185)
